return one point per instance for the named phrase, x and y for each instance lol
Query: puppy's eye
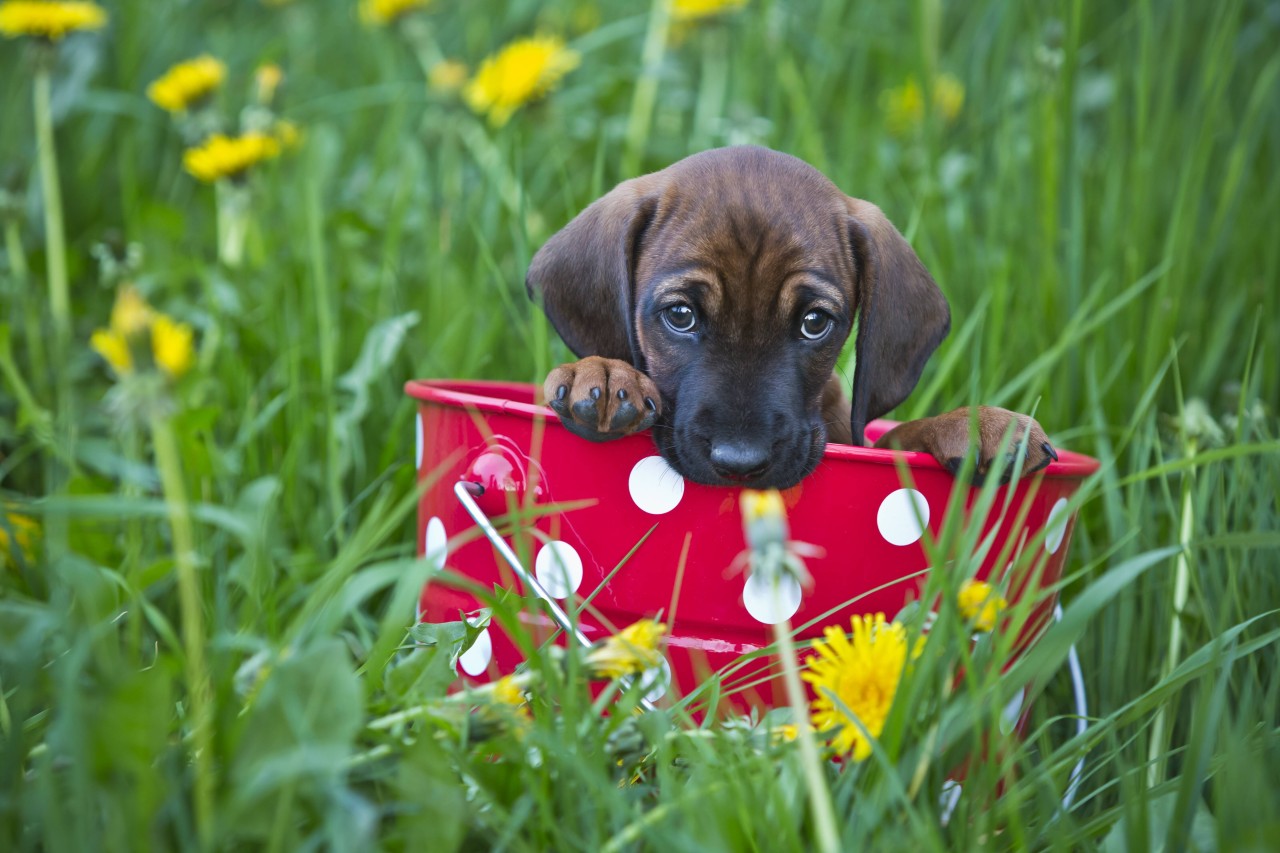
(815, 325)
(679, 318)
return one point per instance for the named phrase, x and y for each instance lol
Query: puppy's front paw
(950, 443)
(946, 438)
(601, 399)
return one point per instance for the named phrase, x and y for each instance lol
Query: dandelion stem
(55, 238)
(233, 223)
(819, 796)
(198, 686)
(1181, 583)
(59, 292)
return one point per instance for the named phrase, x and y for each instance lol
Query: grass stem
(192, 608)
(819, 796)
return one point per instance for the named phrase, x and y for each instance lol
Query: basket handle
(466, 493)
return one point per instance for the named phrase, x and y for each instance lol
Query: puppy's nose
(739, 460)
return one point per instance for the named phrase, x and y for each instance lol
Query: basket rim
(488, 395)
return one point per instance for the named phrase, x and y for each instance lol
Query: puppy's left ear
(903, 316)
(584, 275)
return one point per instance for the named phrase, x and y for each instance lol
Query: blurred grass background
(1100, 211)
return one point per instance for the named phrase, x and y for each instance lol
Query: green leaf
(296, 736)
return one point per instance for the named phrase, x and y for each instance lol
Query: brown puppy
(711, 300)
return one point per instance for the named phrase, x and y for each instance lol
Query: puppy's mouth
(783, 463)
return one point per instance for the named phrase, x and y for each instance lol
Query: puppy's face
(743, 300)
(732, 278)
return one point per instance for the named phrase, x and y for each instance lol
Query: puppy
(710, 302)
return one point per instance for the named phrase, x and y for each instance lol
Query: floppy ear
(584, 275)
(903, 316)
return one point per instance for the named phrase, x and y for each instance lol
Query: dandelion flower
(785, 733)
(859, 673)
(507, 693)
(383, 12)
(447, 76)
(948, 97)
(980, 603)
(519, 73)
(171, 346)
(131, 314)
(904, 105)
(113, 347)
(17, 537)
(684, 11)
(49, 20)
(187, 83)
(632, 650)
(758, 505)
(229, 156)
(288, 134)
(134, 325)
(266, 80)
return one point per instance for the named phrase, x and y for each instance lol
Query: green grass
(1101, 215)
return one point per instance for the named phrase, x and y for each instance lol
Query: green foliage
(1100, 213)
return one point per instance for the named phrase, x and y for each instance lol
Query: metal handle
(466, 493)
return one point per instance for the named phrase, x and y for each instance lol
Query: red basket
(854, 507)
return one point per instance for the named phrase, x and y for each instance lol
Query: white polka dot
(1009, 716)
(435, 543)
(475, 660)
(655, 486)
(949, 799)
(903, 516)
(1057, 526)
(558, 568)
(418, 441)
(655, 680)
(769, 607)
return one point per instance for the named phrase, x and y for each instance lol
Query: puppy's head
(732, 278)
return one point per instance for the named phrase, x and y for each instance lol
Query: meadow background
(1100, 208)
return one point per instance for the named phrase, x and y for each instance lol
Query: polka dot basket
(854, 507)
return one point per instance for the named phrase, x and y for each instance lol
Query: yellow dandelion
(130, 314)
(383, 12)
(229, 156)
(187, 83)
(49, 20)
(785, 733)
(171, 346)
(522, 71)
(266, 80)
(288, 134)
(980, 603)
(447, 76)
(628, 652)
(948, 97)
(904, 105)
(507, 692)
(684, 11)
(114, 348)
(759, 505)
(17, 538)
(859, 673)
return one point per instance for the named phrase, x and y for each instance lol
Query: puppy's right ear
(584, 276)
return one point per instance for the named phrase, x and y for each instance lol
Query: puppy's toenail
(561, 391)
(595, 393)
(622, 393)
(1048, 448)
